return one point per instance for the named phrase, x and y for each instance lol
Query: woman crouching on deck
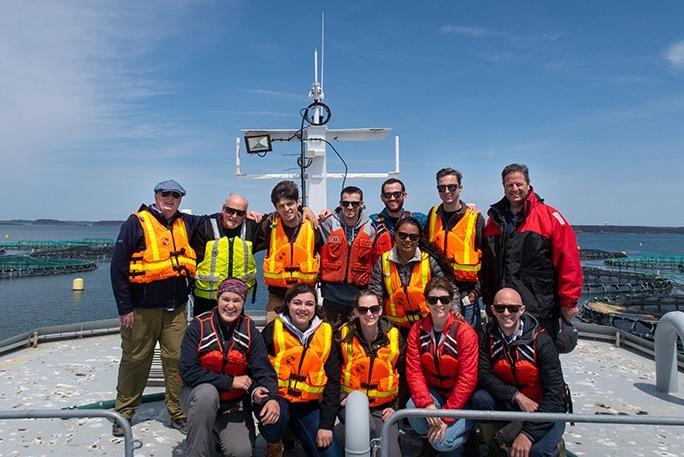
(441, 357)
(302, 351)
(226, 375)
(372, 351)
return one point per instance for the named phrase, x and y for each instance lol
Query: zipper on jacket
(299, 369)
(434, 355)
(346, 267)
(231, 242)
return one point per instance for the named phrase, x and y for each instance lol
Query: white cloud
(675, 54)
(477, 32)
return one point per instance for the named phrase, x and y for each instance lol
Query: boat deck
(603, 379)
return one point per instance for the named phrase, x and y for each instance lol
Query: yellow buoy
(78, 284)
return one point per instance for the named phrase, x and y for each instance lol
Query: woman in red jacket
(441, 355)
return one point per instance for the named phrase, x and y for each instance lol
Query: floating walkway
(89, 248)
(663, 262)
(599, 254)
(598, 282)
(17, 266)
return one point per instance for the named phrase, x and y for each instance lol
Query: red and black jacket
(538, 258)
(448, 365)
(529, 364)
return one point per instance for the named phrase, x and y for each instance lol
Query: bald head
(508, 296)
(234, 204)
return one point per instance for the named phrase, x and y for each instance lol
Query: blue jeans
(471, 314)
(304, 420)
(456, 432)
(547, 445)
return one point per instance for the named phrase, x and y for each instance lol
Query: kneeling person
(227, 375)
(519, 370)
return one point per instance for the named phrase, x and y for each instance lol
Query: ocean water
(29, 303)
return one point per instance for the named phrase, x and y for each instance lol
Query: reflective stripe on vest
(406, 305)
(360, 372)
(300, 369)
(458, 245)
(167, 252)
(288, 262)
(224, 258)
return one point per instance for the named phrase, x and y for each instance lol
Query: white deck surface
(603, 379)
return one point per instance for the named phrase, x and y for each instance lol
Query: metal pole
(519, 416)
(70, 414)
(669, 326)
(357, 426)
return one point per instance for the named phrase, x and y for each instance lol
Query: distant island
(578, 228)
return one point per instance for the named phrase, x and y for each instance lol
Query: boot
(274, 449)
(561, 449)
(488, 434)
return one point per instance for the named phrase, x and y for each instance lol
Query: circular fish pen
(18, 266)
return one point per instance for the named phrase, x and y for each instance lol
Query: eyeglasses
(411, 236)
(374, 310)
(450, 187)
(348, 204)
(166, 193)
(443, 299)
(395, 195)
(230, 211)
(500, 308)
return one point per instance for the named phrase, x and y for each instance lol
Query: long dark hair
(425, 245)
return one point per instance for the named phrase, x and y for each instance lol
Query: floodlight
(258, 143)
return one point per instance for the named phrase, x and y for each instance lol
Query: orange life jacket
(458, 244)
(440, 359)
(167, 252)
(341, 263)
(213, 356)
(517, 367)
(376, 375)
(288, 262)
(300, 369)
(406, 305)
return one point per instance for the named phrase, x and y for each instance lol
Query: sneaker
(181, 425)
(117, 429)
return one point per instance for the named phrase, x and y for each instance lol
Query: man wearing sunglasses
(224, 247)
(519, 370)
(456, 230)
(393, 195)
(151, 268)
(532, 248)
(346, 255)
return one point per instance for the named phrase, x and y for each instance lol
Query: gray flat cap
(169, 185)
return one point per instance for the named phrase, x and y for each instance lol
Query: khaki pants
(137, 346)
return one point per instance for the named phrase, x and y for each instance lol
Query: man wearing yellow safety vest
(224, 247)
(292, 242)
(456, 229)
(151, 267)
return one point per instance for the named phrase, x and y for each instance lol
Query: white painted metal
(669, 327)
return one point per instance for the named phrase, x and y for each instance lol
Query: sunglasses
(450, 187)
(443, 299)
(388, 195)
(166, 193)
(374, 310)
(230, 211)
(348, 204)
(411, 236)
(500, 308)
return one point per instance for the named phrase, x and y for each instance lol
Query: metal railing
(520, 416)
(73, 414)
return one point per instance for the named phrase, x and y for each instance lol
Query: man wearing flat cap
(151, 267)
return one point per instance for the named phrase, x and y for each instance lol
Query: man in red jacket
(530, 247)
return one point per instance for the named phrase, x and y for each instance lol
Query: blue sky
(100, 100)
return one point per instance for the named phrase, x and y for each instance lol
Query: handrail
(520, 416)
(669, 326)
(76, 413)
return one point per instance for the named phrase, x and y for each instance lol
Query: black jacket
(258, 366)
(167, 293)
(548, 364)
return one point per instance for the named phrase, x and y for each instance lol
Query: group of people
(400, 294)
